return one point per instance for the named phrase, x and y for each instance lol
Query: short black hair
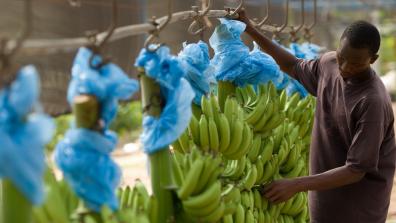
(362, 34)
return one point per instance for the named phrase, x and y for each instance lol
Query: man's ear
(374, 58)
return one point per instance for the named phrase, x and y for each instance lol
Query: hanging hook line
(158, 28)
(198, 19)
(293, 31)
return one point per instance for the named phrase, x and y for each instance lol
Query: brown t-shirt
(353, 127)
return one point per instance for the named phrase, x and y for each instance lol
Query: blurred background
(57, 19)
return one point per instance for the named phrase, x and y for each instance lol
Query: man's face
(353, 61)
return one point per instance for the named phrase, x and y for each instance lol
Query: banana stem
(225, 89)
(86, 111)
(159, 161)
(15, 207)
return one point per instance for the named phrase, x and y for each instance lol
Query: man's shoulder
(329, 57)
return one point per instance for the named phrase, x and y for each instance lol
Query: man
(352, 155)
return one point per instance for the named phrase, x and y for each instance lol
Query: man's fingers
(270, 192)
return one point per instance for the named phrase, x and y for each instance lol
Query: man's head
(358, 48)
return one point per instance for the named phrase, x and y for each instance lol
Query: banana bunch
(301, 113)
(266, 111)
(222, 159)
(217, 132)
(199, 187)
(60, 202)
(136, 203)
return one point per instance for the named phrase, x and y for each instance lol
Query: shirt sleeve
(307, 72)
(363, 154)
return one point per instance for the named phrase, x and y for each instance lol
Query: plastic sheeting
(84, 155)
(232, 60)
(24, 134)
(167, 71)
(195, 60)
(109, 84)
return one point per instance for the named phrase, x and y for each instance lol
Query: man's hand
(243, 18)
(281, 190)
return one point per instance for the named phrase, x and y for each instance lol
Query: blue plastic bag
(195, 60)
(167, 71)
(23, 135)
(108, 84)
(84, 157)
(312, 51)
(232, 60)
(307, 51)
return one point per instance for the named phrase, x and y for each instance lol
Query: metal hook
(278, 30)
(266, 18)
(293, 30)
(97, 47)
(307, 29)
(198, 18)
(234, 13)
(157, 30)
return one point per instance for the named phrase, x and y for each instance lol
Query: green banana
(228, 219)
(268, 173)
(282, 100)
(239, 216)
(258, 111)
(184, 142)
(269, 109)
(241, 165)
(204, 133)
(209, 167)
(296, 170)
(230, 168)
(267, 150)
(236, 137)
(250, 178)
(228, 109)
(205, 198)
(249, 216)
(265, 203)
(206, 107)
(231, 194)
(245, 199)
(291, 160)
(247, 137)
(292, 102)
(255, 149)
(204, 211)
(230, 208)
(225, 133)
(260, 168)
(215, 108)
(261, 218)
(191, 179)
(298, 205)
(216, 215)
(257, 199)
(177, 173)
(274, 122)
(288, 204)
(194, 130)
(213, 135)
